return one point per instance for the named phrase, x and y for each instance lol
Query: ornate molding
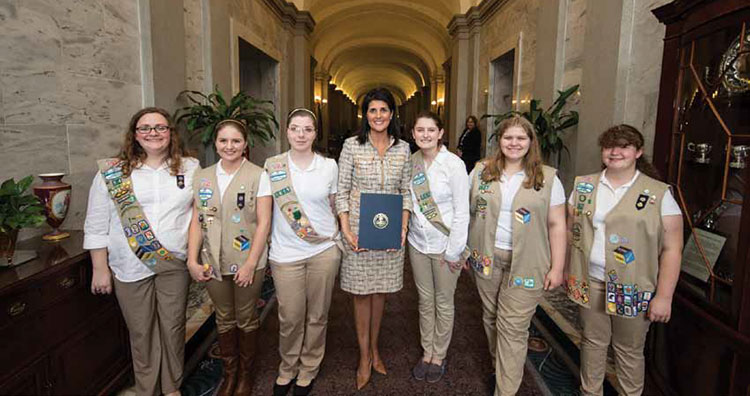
(300, 22)
(461, 25)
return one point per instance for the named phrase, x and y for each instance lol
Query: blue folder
(380, 221)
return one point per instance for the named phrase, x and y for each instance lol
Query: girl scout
(304, 255)
(517, 243)
(626, 246)
(437, 239)
(232, 226)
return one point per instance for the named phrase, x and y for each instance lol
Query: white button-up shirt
(167, 207)
(508, 190)
(606, 199)
(313, 187)
(223, 179)
(449, 186)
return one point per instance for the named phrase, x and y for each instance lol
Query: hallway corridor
(468, 359)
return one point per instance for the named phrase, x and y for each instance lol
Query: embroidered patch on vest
(517, 281)
(528, 283)
(282, 192)
(640, 203)
(624, 255)
(205, 193)
(277, 176)
(523, 215)
(576, 230)
(236, 218)
(482, 206)
(479, 263)
(240, 200)
(626, 299)
(419, 179)
(233, 268)
(241, 243)
(578, 290)
(585, 188)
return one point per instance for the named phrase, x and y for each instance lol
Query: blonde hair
(532, 161)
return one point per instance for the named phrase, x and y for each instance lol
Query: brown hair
(532, 161)
(237, 124)
(473, 118)
(301, 112)
(430, 116)
(133, 154)
(625, 135)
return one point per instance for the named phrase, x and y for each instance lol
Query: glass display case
(701, 146)
(708, 164)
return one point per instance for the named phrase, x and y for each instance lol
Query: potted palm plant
(549, 123)
(18, 209)
(206, 111)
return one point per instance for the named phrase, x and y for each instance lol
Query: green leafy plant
(549, 123)
(19, 209)
(208, 110)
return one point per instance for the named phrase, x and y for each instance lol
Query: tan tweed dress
(362, 170)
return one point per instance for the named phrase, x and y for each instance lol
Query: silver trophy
(739, 153)
(700, 152)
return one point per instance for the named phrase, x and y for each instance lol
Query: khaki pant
(506, 313)
(436, 285)
(628, 337)
(236, 306)
(154, 311)
(304, 289)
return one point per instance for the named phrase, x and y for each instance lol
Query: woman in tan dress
(375, 161)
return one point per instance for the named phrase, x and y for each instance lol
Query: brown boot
(248, 348)
(230, 356)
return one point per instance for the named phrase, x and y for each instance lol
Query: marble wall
(69, 81)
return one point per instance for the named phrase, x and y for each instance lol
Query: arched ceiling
(400, 44)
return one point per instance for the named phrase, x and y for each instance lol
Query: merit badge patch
(523, 215)
(205, 193)
(528, 283)
(640, 203)
(278, 176)
(419, 179)
(624, 255)
(284, 191)
(233, 268)
(585, 188)
(236, 218)
(241, 243)
(241, 200)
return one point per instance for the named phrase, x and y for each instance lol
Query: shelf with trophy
(710, 148)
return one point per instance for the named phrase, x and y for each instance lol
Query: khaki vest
(228, 225)
(632, 246)
(531, 249)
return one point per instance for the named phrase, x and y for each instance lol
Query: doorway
(501, 92)
(259, 79)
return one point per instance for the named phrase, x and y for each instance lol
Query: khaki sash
(285, 197)
(421, 186)
(138, 230)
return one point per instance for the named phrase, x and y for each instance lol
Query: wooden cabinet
(58, 338)
(701, 146)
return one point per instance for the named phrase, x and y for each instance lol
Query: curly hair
(133, 155)
(624, 135)
(532, 161)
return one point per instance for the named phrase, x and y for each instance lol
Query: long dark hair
(133, 154)
(385, 96)
(473, 118)
(624, 135)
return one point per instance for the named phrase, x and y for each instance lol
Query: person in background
(470, 143)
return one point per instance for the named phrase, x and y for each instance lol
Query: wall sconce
(434, 103)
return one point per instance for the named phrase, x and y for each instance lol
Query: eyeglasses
(306, 131)
(146, 129)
